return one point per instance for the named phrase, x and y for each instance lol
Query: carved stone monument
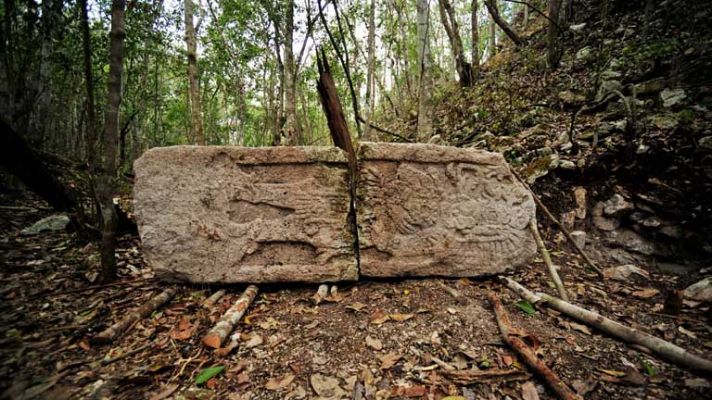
(435, 210)
(232, 214)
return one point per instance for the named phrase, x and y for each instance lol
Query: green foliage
(527, 307)
(208, 373)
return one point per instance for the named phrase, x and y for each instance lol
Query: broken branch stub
(217, 335)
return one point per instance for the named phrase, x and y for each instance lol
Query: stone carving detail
(230, 214)
(433, 210)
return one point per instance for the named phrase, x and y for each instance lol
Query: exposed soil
(51, 310)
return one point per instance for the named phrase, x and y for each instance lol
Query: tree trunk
(494, 12)
(370, 86)
(553, 39)
(492, 37)
(449, 20)
(111, 134)
(89, 79)
(425, 125)
(196, 116)
(291, 127)
(475, 41)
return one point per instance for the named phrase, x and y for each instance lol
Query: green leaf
(208, 373)
(527, 307)
(649, 369)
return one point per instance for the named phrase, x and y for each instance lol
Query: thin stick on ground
(559, 225)
(210, 301)
(547, 260)
(527, 354)
(145, 310)
(661, 348)
(217, 335)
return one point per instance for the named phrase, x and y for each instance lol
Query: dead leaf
(254, 341)
(84, 345)
(375, 344)
(686, 332)
(389, 360)
(183, 330)
(356, 306)
(401, 317)
(579, 327)
(611, 372)
(243, 378)
(529, 391)
(379, 318)
(280, 382)
(327, 386)
(409, 391)
(646, 293)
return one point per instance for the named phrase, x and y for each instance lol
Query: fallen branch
(663, 349)
(561, 227)
(129, 353)
(145, 310)
(321, 293)
(210, 301)
(217, 335)
(526, 352)
(469, 377)
(547, 260)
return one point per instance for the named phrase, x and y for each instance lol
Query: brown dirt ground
(50, 310)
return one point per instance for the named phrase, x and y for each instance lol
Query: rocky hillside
(618, 140)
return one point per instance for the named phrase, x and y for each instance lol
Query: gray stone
(664, 121)
(577, 28)
(616, 205)
(705, 143)
(567, 165)
(651, 86)
(606, 88)
(580, 238)
(233, 214)
(432, 210)
(672, 97)
(700, 291)
(601, 222)
(585, 54)
(53, 223)
(632, 241)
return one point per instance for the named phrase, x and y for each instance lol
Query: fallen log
(659, 347)
(528, 354)
(547, 260)
(145, 310)
(559, 225)
(210, 301)
(217, 335)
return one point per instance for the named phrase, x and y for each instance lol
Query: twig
(547, 260)
(210, 301)
(142, 312)
(127, 354)
(561, 227)
(469, 377)
(217, 335)
(526, 352)
(663, 349)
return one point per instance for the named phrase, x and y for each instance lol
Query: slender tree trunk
(196, 116)
(492, 39)
(89, 79)
(553, 39)
(475, 41)
(370, 86)
(425, 124)
(494, 12)
(449, 20)
(291, 127)
(111, 136)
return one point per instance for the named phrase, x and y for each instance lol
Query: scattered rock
(579, 237)
(634, 242)
(601, 222)
(664, 121)
(577, 28)
(700, 291)
(56, 222)
(585, 54)
(568, 219)
(672, 97)
(571, 98)
(608, 87)
(705, 143)
(624, 272)
(616, 205)
(567, 165)
(651, 86)
(580, 199)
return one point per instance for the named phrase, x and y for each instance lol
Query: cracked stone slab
(433, 210)
(233, 214)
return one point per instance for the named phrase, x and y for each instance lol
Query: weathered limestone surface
(435, 210)
(232, 214)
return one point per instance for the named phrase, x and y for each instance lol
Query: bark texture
(425, 107)
(452, 28)
(553, 38)
(506, 28)
(219, 333)
(196, 114)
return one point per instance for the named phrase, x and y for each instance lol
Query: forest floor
(373, 340)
